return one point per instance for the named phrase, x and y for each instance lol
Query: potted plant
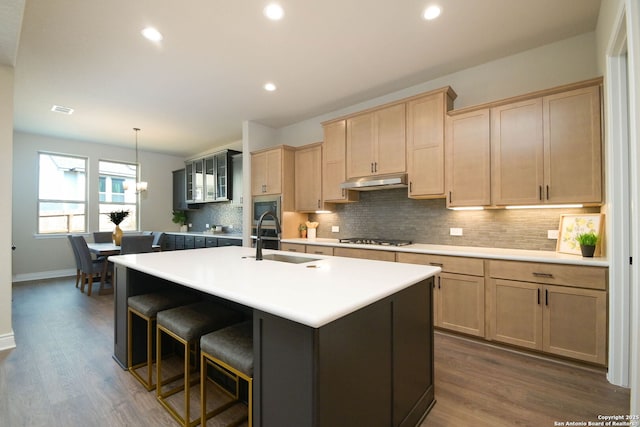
(117, 217)
(587, 243)
(180, 218)
(303, 230)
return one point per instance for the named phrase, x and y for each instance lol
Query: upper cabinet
(517, 153)
(545, 148)
(273, 172)
(425, 143)
(548, 149)
(376, 142)
(334, 173)
(209, 179)
(308, 165)
(572, 146)
(468, 159)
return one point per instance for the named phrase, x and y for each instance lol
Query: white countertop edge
(468, 251)
(293, 309)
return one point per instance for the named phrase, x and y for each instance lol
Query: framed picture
(573, 225)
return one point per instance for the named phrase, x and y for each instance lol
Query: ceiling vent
(61, 109)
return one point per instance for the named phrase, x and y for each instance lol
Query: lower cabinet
(173, 242)
(372, 254)
(567, 318)
(458, 297)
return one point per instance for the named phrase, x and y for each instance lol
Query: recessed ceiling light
(274, 12)
(61, 109)
(270, 87)
(152, 34)
(432, 12)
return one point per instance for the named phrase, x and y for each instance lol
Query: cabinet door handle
(540, 192)
(449, 196)
(547, 192)
(318, 203)
(546, 297)
(343, 193)
(375, 166)
(538, 296)
(371, 167)
(545, 275)
(436, 264)
(439, 280)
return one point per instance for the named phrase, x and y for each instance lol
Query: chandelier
(140, 185)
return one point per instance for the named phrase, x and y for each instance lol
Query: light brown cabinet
(517, 153)
(558, 309)
(376, 143)
(459, 293)
(273, 172)
(309, 249)
(572, 146)
(334, 169)
(308, 173)
(365, 254)
(548, 149)
(468, 159)
(425, 143)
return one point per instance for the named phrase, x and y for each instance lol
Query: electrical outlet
(455, 231)
(190, 225)
(206, 226)
(335, 228)
(552, 234)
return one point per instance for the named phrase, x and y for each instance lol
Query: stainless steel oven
(260, 205)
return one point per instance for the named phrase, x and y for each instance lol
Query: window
(117, 183)
(62, 194)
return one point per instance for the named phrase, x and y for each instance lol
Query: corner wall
(7, 339)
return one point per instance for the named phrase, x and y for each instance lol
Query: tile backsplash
(226, 214)
(390, 214)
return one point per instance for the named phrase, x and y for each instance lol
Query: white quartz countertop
(313, 293)
(468, 251)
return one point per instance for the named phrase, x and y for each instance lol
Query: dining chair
(76, 257)
(89, 268)
(103, 237)
(136, 244)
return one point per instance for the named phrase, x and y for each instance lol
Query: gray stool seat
(150, 304)
(146, 307)
(232, 345)
(186, 325)
(194, 320)
(229, 352)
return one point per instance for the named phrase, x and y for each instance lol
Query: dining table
(106, 250)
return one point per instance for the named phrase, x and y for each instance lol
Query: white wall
(559, 63)
(6, 146)
(37, 256)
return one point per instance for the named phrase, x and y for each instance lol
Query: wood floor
(62, 374)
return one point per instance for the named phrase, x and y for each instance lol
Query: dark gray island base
(372, 367)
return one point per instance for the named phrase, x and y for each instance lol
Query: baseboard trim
(41, 275)
(7, 341)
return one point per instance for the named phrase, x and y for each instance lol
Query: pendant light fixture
(140, 185)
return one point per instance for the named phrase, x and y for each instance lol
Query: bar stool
(230, 352)
(146, 307)
(186, 325)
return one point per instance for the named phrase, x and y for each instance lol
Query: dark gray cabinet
(210, 179)
(173, 242)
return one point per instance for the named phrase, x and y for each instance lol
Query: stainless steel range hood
(379, 182)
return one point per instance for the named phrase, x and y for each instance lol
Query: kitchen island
(337, 341)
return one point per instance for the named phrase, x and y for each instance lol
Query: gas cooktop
(382, 242)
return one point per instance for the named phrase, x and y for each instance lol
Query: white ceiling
(192, 91)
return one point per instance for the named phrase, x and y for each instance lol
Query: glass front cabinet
(209, 179)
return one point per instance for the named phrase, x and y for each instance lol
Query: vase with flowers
(117, 217)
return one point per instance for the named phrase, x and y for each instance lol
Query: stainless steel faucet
(259, 232)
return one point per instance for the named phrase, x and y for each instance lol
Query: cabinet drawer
(319, 250)
(292, 247)
(553, 274)
(365, 254)
(449, 264)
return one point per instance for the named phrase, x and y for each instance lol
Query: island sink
(287, 258)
